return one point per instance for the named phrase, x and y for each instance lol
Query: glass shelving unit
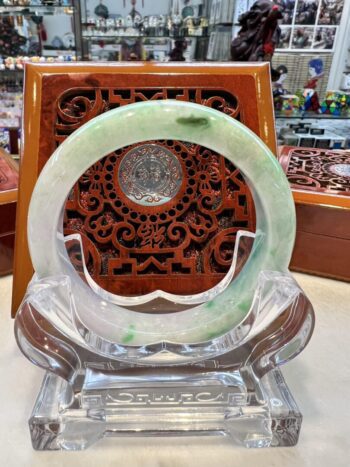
(116, 32)
(45, 30)
(311, 115)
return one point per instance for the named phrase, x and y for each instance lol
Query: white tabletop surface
(319, 379)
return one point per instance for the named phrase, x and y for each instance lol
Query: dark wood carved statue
(177, 53)
(259, 33)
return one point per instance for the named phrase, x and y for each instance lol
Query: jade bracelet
(163, 120)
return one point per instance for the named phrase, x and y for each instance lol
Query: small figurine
(345, 83)
(10, 63)
(278, 88)
(101, 11)
(310, 93)
(176, 55)
(175, 20)
(336, 103)
(19, 63)
(290, 104)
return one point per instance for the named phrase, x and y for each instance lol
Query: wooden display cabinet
(8, 201)
(320, 181)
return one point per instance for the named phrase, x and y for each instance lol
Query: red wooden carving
(319, 170)
(183, 245)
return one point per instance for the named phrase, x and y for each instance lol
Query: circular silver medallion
(150, 175)
(342, 170)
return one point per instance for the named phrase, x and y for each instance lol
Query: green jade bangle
(164, 120)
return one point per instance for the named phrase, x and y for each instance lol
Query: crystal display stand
(240, 393)
(165, 364)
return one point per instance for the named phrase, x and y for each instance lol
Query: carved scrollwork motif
(158, 208)
(319, 169)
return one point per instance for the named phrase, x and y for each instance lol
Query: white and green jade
(275, 215)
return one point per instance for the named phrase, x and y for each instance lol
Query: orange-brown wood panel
(321, 255)
(324, 220)
(322, 244)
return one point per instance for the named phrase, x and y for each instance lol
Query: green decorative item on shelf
(187, 11)
(301, 97)
(101, 10)
(336, 103)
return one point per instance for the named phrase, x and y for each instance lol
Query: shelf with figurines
(306, 102)
(133, 36)
(302, 115)
(10, 114)
(30, 35)
(10, 107)
(36, 10)
(17, 64)
(160, 28)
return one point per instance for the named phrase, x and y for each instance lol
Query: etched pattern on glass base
(253, 413)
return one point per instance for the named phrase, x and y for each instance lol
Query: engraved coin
(150, 175)
(343, 170)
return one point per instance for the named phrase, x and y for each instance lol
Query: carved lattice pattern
(319, 170)
(182, 246)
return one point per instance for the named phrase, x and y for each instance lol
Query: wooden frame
(314, 196)
(44, 84)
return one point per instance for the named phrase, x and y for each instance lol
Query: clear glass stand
(253, 412)
(229, 385)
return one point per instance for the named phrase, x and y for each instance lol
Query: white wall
(57, 25)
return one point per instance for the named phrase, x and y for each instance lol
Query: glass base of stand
(253, 412)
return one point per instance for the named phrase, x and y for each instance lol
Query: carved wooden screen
(133, 249)
(136, 249)
(317, 170)
(320, 182)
